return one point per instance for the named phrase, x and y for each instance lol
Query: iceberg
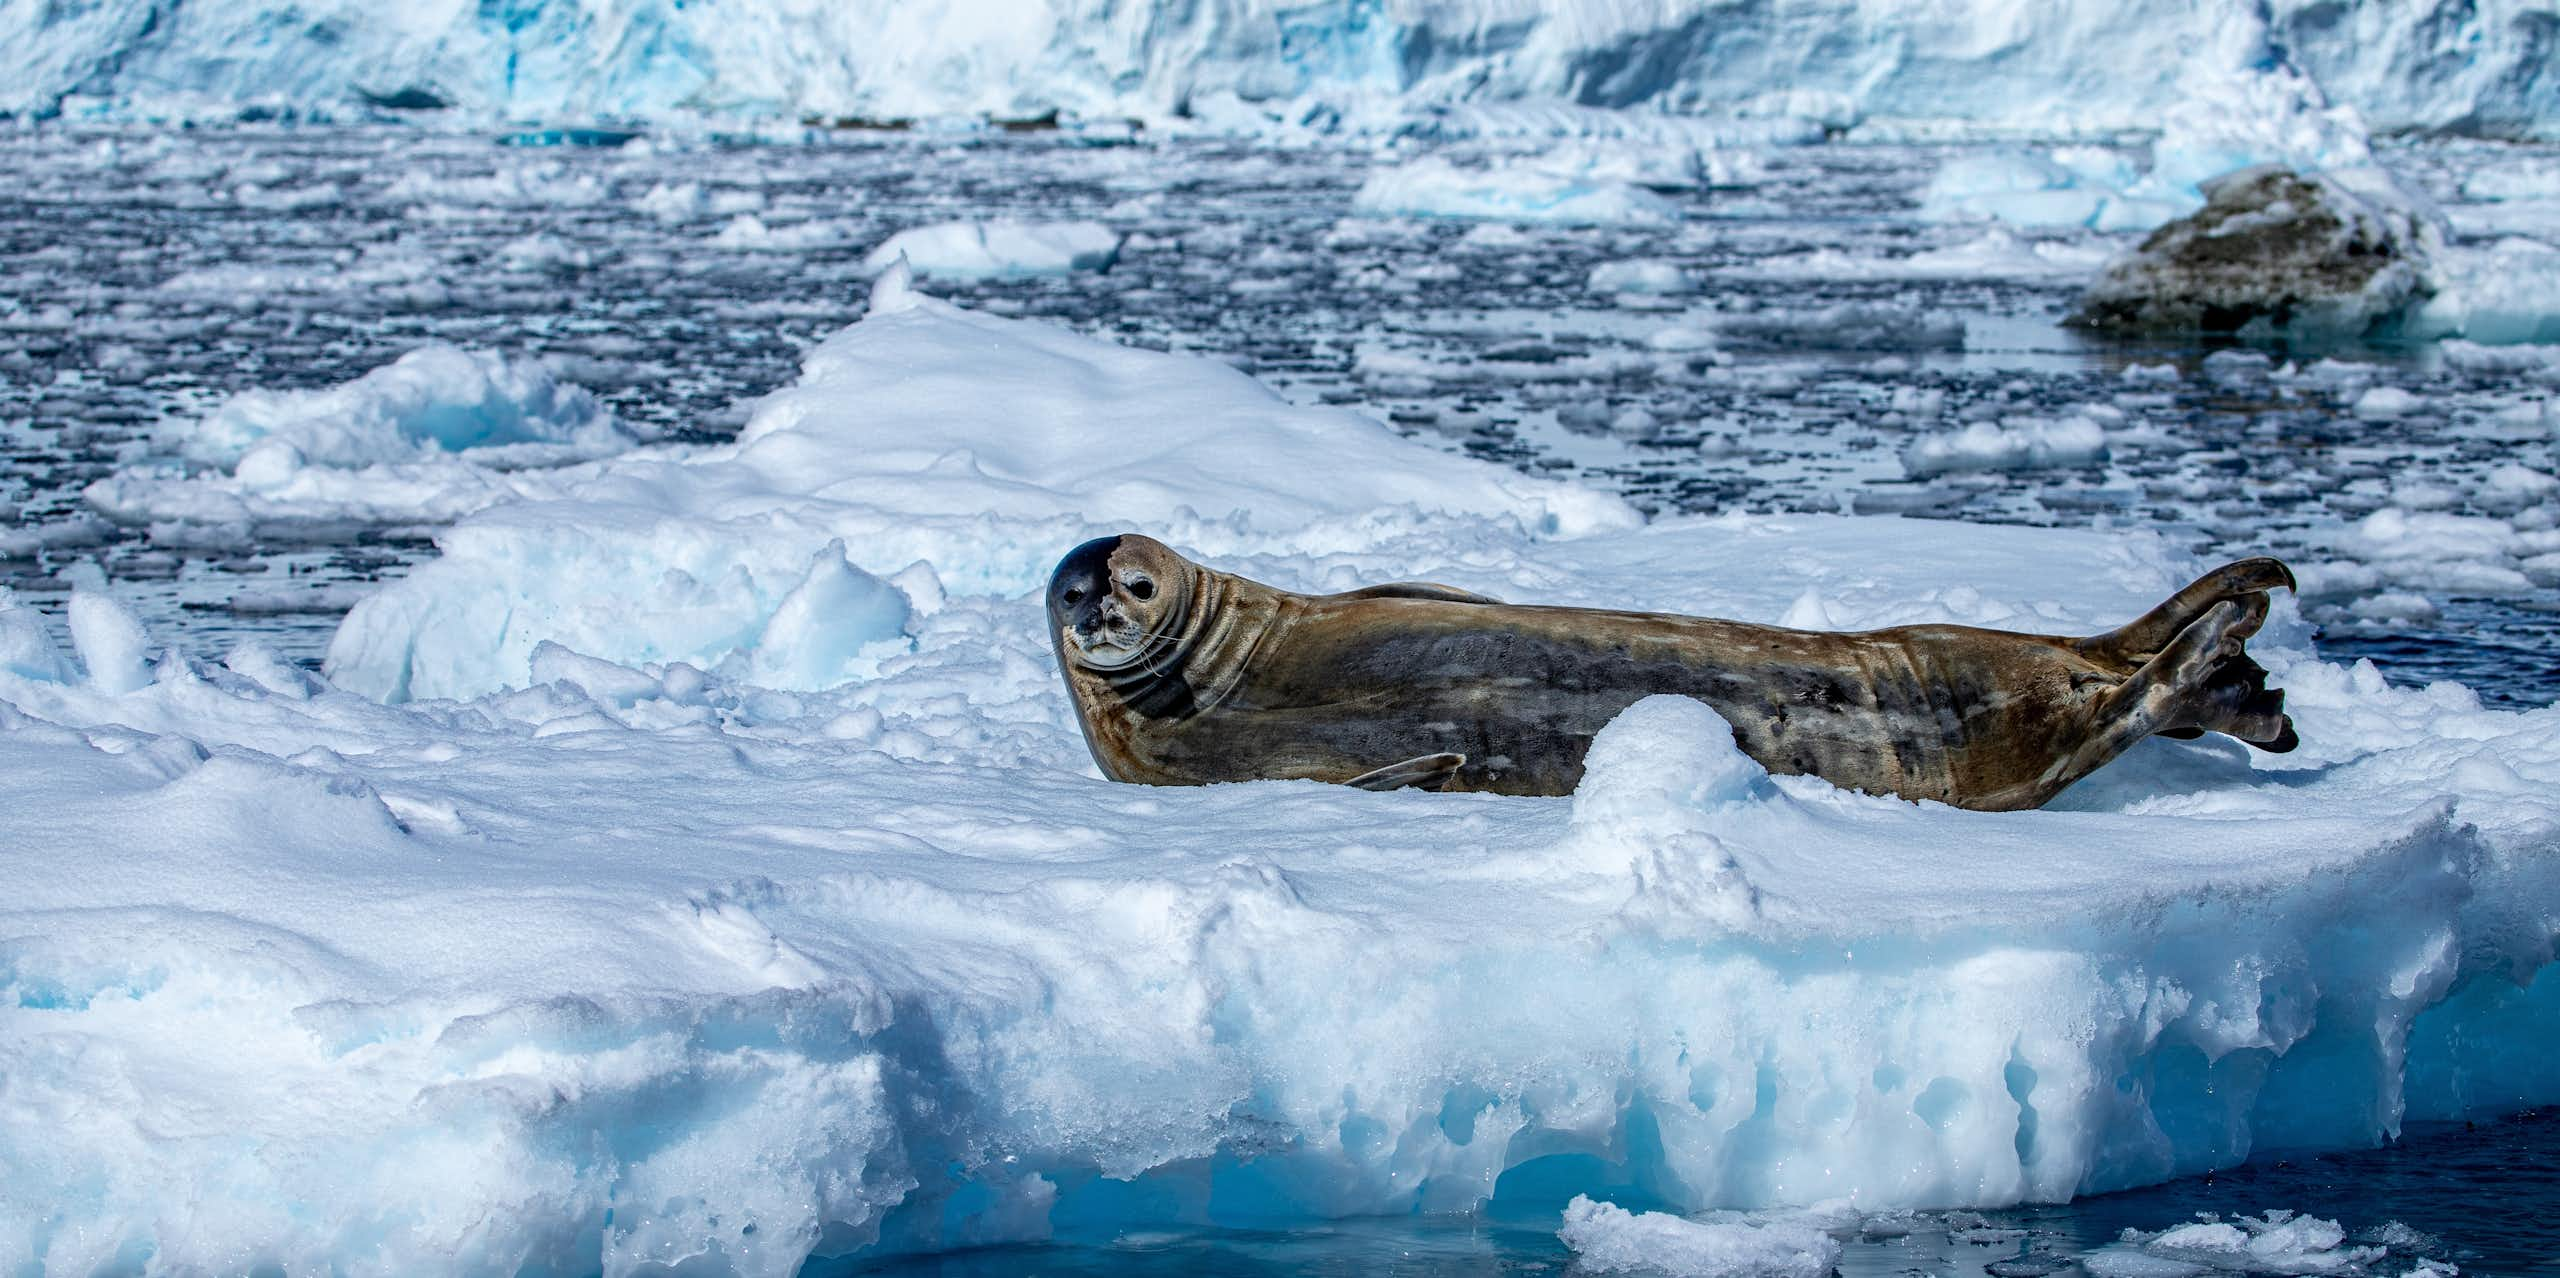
(698, 868)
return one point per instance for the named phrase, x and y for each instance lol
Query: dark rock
(2273, 253)
(410, 98)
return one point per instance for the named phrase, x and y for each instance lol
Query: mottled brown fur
(1208, 677)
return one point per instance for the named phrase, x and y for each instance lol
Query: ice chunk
(1435, 187)
(1639, 276)
(2279, 1242)
(2068, 187)
(1850, 326)
(831, 625)
(2231, 125)
(437, 399)
(25, 649)
(111, 641)
(2535, 178)
(1612, 1240)
(2504, 292)
(2383, 403)
(1997, 253)
(979, 250)
(2023, 443)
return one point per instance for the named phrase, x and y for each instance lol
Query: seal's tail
(2190, 671)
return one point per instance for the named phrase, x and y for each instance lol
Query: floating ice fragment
(980, 250)
(2279, 1242)
(1513, 192)
(1612, 1240)
(2383, 403)
(437, 399)
(1639, 276)
(2025, 443)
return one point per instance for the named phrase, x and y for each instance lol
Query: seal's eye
(1073, 596)
(1142, 587)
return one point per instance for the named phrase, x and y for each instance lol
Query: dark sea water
(145, 276)
(2485, 1199)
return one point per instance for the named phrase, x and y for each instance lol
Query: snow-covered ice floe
(700, 868)
(977, 250)
(422, 441)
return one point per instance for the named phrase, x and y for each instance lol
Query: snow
(977, 250)
(877, 447)
(1431, 186)
(1906, 66)
(1611, 1240)
(676, 874)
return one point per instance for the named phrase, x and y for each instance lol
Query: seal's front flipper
(1418, 590)
(2135, 644)
(1430, 772)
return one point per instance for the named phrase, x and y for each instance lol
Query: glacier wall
(2484, 65)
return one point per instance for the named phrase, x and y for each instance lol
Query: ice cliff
(1966, 64)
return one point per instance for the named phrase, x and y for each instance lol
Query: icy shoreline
(631, 938)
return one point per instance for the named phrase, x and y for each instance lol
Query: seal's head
(1117, 600)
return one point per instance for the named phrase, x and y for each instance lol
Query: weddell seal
(1184, 675)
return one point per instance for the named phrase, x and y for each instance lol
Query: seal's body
(1183, 675)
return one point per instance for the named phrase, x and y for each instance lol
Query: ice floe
(434, 435)
(1513, 191)
(2279, 1242)
(1611, 1240)
(1000, 248)
(437, 399)
(726, 884)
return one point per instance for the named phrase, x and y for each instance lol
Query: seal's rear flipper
(2203, 680)
(2139, 642)
(1429, 772)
